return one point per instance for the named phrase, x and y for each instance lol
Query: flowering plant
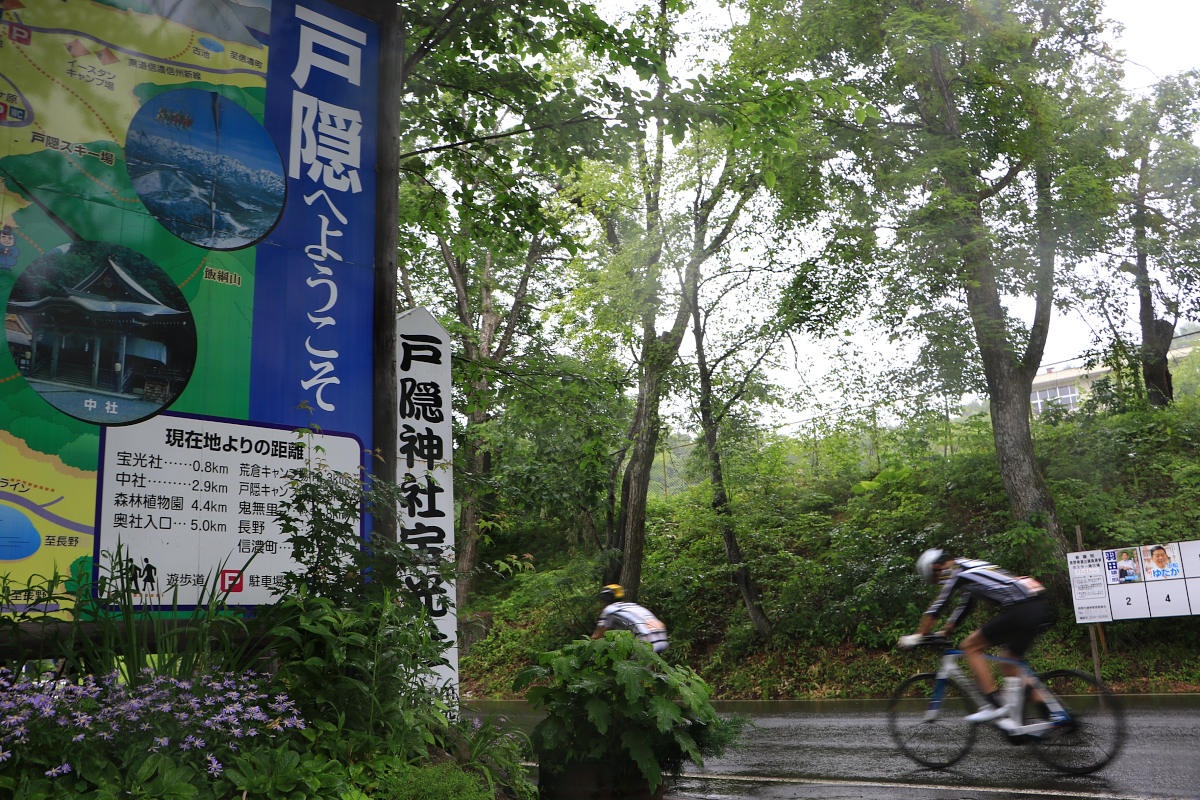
(160, 737)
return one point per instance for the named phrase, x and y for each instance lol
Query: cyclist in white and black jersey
(619, 615)
(1023, 615)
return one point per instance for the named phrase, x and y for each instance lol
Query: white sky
(1160, 35)
(1160, 38)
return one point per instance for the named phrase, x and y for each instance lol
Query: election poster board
(186, 269)
(423, 465)
(1136, 582)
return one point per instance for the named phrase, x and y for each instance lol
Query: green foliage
(833, 551)
(366, 672)
(444, 781)
(614, 701)
(491, 749)
(530, 614)
(366, 716)
(1186, 376)
(160, 738)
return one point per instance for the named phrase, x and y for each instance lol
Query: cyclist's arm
(930, 617)
(964, 608)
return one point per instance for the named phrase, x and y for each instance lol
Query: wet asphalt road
(827, 750)
(841, 749)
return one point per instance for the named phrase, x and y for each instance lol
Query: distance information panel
(1136, 582)
(191, 504)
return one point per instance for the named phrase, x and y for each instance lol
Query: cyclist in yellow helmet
(619, 615)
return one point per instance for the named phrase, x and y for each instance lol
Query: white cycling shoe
(988, 713)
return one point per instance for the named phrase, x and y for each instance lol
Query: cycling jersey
(635, 618)
(980, 579)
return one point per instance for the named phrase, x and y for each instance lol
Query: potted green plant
(618, 719)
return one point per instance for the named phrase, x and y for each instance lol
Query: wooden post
(1095, 626)
(385, 399)
(666, 490)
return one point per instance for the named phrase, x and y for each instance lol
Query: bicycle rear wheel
(925, 718)
(1095, 730)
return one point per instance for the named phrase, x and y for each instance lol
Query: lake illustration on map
(206, 169)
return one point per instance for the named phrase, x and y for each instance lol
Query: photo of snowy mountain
(205, 169)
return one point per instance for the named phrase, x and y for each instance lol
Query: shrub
(444, 781)
(160, 738)
(615, 701)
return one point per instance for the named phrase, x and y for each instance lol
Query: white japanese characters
(325, 149)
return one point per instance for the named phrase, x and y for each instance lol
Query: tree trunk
(387, 211)
(1157, 334)
(635, 485)
(467, 542)
(720, 498)
(1009, 377)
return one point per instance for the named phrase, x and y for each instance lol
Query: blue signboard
(187, 192)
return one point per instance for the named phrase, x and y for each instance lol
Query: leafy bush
(365, 674)
(351, 644)
(615, 701)
(160, 738)
(444, 781)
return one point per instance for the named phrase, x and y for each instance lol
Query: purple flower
(214, 766)
(191, 742)
(61, 769)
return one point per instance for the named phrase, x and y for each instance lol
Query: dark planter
(594, 780)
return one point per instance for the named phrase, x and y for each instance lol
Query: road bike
(1070, 720)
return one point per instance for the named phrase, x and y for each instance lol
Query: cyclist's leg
(974, 649)
(1028, 621)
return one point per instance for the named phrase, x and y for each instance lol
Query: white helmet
(925, 562)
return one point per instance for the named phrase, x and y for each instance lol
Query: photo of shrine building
(107, 341)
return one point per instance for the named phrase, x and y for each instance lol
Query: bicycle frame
(951, 671)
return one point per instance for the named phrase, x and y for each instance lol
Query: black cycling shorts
(1018, 625)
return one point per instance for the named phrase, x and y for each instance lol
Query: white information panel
(190, 504)
(1151, 580)
(1089, 586)
(424, 449)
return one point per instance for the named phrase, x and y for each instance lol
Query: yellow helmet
(612, 593)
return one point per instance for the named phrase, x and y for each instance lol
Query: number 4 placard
(1168, 599)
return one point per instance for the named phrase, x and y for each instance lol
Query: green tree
(970, 140)
(727, 380)
(436, 59)
(489, 118)
(666, 207)
(1160, 220)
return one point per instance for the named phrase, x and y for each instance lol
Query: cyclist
(622, 616)
(1023, 615)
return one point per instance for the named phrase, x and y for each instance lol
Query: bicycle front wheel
(925, 718)
(1094, 731)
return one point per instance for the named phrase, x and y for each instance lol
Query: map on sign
(186, 209)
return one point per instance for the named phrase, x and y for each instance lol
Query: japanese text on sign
(1136, 582)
